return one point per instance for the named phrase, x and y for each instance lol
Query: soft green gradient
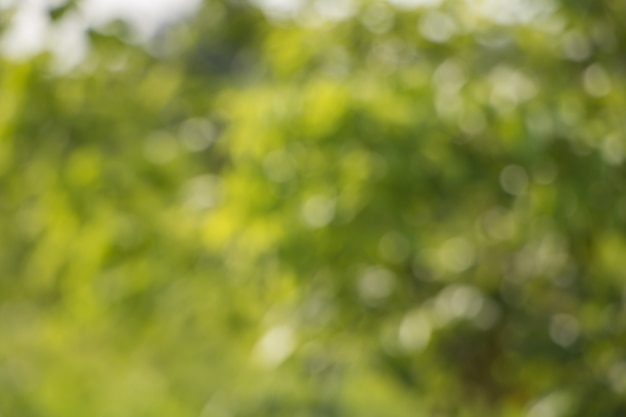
(388, 212)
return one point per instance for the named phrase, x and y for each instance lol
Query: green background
(404, 212)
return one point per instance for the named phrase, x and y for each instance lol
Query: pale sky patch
(30, 31)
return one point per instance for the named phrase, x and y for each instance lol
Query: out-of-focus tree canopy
(329, 208)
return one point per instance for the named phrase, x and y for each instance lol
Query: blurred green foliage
(403, 212)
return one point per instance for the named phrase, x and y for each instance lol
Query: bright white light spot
(498, 224)
(617, 377)
(67, 42)
(145, 16)
(514, 179)
(335, 9)
(564, 330)
(449, 77)
(202, 192)
(415, 331)
(410, 4)
(458, 302)
(456, 254)
(575, 46)
(318, 211)
(555, 404)
(596, 81)
(30, 31)
(280, 9)
(509, 88)
(275, 346)
(612, 150)
(509, 12)
(197, 134)
(472, 121)
(437, 27)
(545, 256)
(375, 284)
(26, 34)
(377, 18)
(280, 166)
